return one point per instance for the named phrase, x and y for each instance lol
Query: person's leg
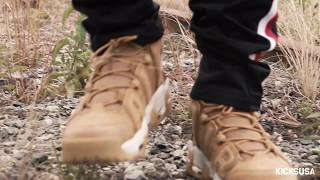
(228, 141)
(126, 93)
(232, 34)
(108, 19)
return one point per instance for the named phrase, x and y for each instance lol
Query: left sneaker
(229, 144)
(125, 97)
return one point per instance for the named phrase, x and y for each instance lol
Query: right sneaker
(229, 144)
(125, 96)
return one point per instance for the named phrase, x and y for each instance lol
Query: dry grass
(301, 27)
(22, 30)
(21, 38)
(180, 5)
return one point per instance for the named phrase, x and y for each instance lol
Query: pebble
(18, 154)
(160, 140)
(4, 133)
(39, 158)
(147, 167)
(52, 108)
(134, 173)
(48, 176)
(170, 167)
(313, 158)
(306, 164)
(305, 142)
(46, 122)
(8, 143)
(163, 155)
(178, 153)
(18, 124)
(177, 130)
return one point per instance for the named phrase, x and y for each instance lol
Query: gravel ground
(30, 136)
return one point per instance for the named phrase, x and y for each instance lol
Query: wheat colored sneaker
(232, 145)
(124, 97)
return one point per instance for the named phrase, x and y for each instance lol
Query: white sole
(200, 162)
(157, 105)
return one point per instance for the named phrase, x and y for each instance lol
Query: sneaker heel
(198, 165)
(160, 104)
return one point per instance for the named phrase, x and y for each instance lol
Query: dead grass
(21, 38)
(301, 27)
(22, 29)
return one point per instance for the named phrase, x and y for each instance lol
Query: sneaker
(231, 145)
(125, 96)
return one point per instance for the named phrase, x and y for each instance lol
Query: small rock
(178, 153)
(46, 122)
(17, 104)
(18, 124)
(7, 151)
(284, 144)
(160, 140)
(306, 164)
(275, 103)
(277, 137)
(18, 154)
(277, 83)
(163, 155)
(59, 148)
(147, 167)
(39, 158)
(157, 160)
(12, 131)
(52, 108)
(8, 143)
(286, 149)
(315, 151)
(145, 164)
(294, 136)
(313, 158)
(4, 133)
(48, 176)
(175, 130)
(174, 136)
(134, 173)
(268, 125)
(305, 142)
(170, 167)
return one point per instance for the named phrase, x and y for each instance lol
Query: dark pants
(231, 35)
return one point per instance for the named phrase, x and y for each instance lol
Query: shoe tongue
(251, 146)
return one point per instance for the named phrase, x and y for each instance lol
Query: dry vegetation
(301, 27)
(41, 60)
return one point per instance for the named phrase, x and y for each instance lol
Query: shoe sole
(199, 166)
(93, 150)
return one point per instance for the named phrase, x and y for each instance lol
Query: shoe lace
(108, 54)
(226, 111)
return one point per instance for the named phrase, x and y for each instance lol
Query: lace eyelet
(203, 117)
(221, 138)
(148, 59)
(135, 83)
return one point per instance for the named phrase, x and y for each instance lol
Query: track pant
(231, 34)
